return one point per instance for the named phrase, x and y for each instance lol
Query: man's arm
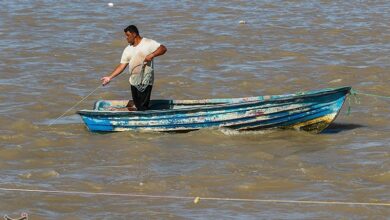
(160, 51)
(118, 70)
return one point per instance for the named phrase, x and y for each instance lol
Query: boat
(309, 111)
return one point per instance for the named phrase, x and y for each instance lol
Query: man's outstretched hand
(105, 80)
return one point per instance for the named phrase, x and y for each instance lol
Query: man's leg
(141, 99)
(134, 95)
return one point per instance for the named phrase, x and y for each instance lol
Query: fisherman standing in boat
(138, 55)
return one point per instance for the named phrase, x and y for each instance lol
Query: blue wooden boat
(310, 111)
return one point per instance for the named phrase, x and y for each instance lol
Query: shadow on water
(339, 127)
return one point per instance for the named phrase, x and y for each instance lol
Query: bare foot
(131, 108)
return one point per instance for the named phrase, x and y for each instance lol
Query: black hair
(132, 29)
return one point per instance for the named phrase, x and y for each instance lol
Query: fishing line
(75, 105)
(51, 123)
(196, 199)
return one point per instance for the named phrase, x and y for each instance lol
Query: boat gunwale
(272, 98)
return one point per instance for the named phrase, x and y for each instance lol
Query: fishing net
(143, 78)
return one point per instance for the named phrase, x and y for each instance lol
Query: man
(138, 55)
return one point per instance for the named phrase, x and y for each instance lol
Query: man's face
(130, 37)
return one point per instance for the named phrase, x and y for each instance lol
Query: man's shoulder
(149, 41)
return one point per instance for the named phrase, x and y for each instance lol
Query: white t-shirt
(134, 56)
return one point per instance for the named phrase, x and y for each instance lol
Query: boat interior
(128, 105)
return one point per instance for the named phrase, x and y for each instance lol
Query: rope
(356, 99)
(75, 105)
(355, 92)
(196, 199)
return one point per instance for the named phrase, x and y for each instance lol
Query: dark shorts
(141, 99)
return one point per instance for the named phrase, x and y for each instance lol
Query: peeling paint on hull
(310, 111)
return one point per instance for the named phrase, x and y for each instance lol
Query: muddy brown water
(54, 52)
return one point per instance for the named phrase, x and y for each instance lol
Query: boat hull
(310, 111)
